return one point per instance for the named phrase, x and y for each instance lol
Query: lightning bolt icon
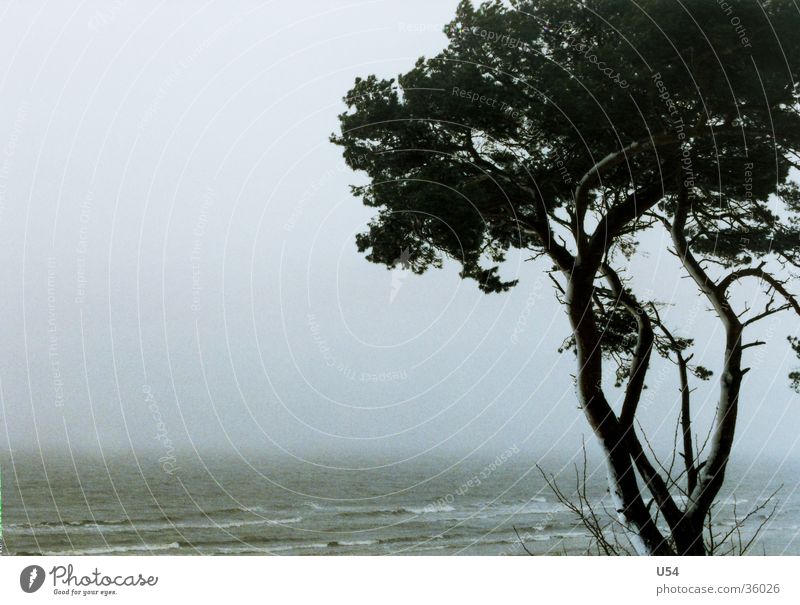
(31, 580)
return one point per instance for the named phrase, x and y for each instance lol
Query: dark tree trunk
(712, 476)
(709, 480)
(623, 485)
(688, 537)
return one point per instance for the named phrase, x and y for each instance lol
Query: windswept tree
(569, 129)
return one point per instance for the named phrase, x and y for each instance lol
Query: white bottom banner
(401, 580)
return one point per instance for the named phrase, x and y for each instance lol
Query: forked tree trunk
(623, 485)
(688, 534)
(710, 478)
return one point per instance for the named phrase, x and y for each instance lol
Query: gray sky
(179, 259)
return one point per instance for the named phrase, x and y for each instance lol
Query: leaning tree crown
(569, 129)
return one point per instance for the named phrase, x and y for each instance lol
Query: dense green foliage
(481, 148)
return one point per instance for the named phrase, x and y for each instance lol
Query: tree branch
(710, 479)
(641, 354)
(616, 158)
(633, 393)
(760, 273)
(686, 407)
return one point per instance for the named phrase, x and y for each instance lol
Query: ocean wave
(407, 539)
(731, 501)
(238, 523)
(402, 510)
(373, 512)
(287, 547)
(571, 534)
(276, 548)
(107, 550)
(334, 543)
(146, 525)
(444, 508)
(535, 507)
(337, 544)
(63, 524)
(430, 548)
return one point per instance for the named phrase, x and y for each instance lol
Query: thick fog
(179, 268)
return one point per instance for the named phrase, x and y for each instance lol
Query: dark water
(247, 506)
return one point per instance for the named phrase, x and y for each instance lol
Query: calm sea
(246, 506)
